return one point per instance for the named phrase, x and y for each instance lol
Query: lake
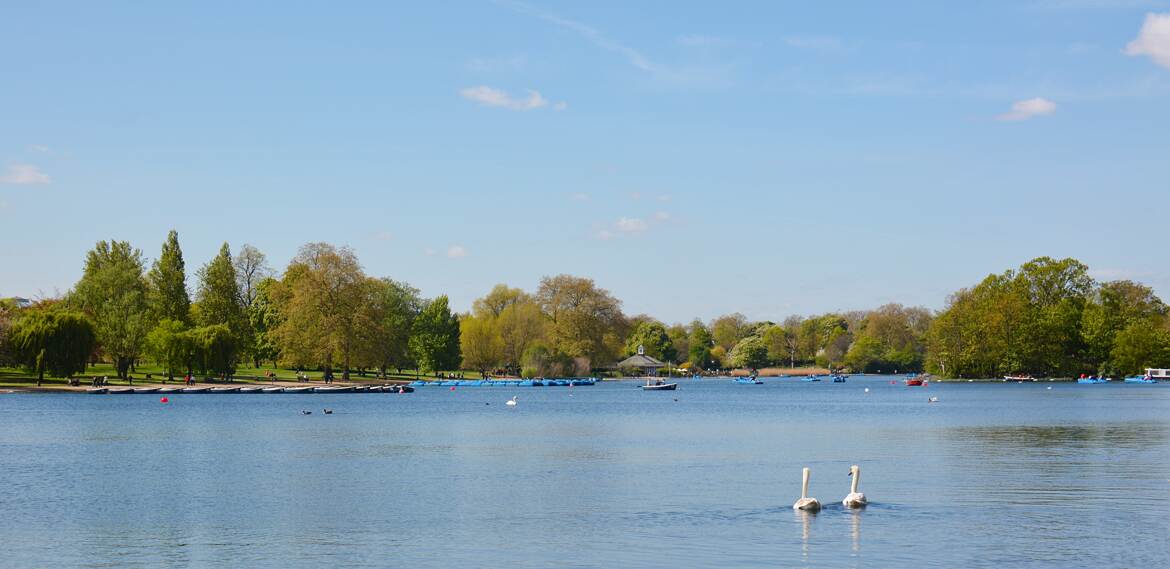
(992, 475)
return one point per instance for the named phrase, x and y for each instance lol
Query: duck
(932, 400)
(306, 412)
(855, 499)
(327, 411)
(805, 503)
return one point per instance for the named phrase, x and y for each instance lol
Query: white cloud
(24, 175)
(1028, 108)
(491, 97)
(662, 215)
(456, 252)
(605, 235)
(664, 197)
(39, 148)
(1153, 39)
(630, 225)
(429, 252)
(560, 106)
(581, 197)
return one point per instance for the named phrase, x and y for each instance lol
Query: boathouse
(648, 365)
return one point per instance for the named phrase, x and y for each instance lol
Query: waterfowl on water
(805, 503)
(306, 412)
(512, 402)
(327, 411)
(855, 499)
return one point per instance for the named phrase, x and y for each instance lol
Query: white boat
(196, 389)
(659, 385)
(224, 390)
(272, 390)
(1157, 374)
(170, 390)
(145, 390)
(298, 390)
(250, 390)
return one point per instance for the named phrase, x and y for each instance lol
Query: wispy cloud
(429, 252)
(24, 175)
(1028, 108)
(662, 215)
(699, 40)
(632, 56)
(580, 196)
(39, 148)
(631, 225)
(456, 252)
(490, 97)
(1153, 40)
(382, 236)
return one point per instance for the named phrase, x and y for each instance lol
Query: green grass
(18, 377)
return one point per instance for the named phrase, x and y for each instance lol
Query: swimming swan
(855, 499)
(805, 503)
(511, 402)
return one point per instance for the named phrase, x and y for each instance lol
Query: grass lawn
(18, 377)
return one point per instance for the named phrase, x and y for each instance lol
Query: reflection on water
(991, 476)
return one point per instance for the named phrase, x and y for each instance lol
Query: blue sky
(695, 159)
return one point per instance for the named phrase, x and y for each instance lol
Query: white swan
(855, 499)
(805, 503)
(511, 402)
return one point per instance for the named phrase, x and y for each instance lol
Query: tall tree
(112, 292)
(323, 301)
(729, 329)
(219, 296)
(252, 268)
(1113, 307)
(434, 339)
(585, 320)
(750, 353)
(168, 295)
(701, 343)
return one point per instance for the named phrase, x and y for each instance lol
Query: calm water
(606, 476)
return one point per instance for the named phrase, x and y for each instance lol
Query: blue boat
(1140, 379)
(583, 381)
(838, 378)
(1089, 380)
(419, 383)
(810, 378)
(748, 380)
(527, 383)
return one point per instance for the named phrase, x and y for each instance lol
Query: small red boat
(917, 381)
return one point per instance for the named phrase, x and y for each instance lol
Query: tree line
(322, 312)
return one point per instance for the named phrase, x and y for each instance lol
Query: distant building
(21, 302)
(641, 361)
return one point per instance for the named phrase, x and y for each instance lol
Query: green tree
(729, 329)
(395, 305)
(500, 298)
(520, 325)
(1113, 307)
(585, 321)
(1141, 344)
(434, 339)
(263, 318)
(216, 349)
(53, 341)
(750, 353)
(324, 300)
(480, 342)
(168, 297)
(701, 343)
(170, 344)
(112, 292)
(220, 298)
(652, 336)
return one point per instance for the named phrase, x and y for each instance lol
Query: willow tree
(53, 341)
(113, 293)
